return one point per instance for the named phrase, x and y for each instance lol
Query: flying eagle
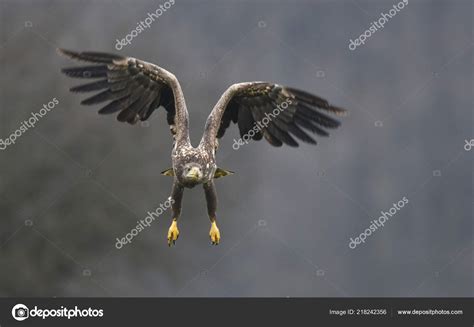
(134, 89)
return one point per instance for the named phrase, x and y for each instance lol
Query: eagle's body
(135, 88)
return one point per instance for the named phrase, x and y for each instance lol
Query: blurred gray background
(78, 180)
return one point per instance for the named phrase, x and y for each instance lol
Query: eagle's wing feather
(277, 113)
(132, 87)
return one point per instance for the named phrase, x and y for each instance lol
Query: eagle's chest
(188, 154)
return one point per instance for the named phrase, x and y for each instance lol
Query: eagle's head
(192, 174)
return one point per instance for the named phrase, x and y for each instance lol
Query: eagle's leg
(211, 199)
(176, 196)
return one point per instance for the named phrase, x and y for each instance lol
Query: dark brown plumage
(303, 114)
(131, 86)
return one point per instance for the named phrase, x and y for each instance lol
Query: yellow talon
(214, 234)
(173, 232)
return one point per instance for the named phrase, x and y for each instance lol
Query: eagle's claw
(173, 233)
(214, 234)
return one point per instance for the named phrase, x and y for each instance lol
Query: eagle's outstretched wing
(272, 111)
(132, 87)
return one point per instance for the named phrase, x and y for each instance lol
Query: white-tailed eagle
(133, 89)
